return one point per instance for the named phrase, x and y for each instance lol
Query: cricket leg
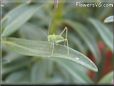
(52, 48)
(67, 47)
(66, 38)
(65, 29)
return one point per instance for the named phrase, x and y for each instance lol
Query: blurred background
(87, 33)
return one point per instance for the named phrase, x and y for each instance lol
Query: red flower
(107, 65)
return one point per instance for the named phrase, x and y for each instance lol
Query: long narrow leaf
(109, 19)
(104, 32)
(20, 76)
(79, 76)
(37, 48)
(86, 36)
(17, 17)
(107, 79)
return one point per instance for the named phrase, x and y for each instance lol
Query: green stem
(56, 18)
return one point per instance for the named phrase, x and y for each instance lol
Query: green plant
(26, 52)
(109, 19)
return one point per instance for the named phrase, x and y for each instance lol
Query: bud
(56, 3)
(1, 3)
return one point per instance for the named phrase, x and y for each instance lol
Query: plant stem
(56, 18)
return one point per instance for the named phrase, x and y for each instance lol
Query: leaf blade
(84, 34)
(14, 18)
(37, 48)
(109, 19)
(104, 32)
(72, 69)
(107, 79)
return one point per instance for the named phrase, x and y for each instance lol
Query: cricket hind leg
(52, 48)
(66, 38)
(65, 29)
(67, 47)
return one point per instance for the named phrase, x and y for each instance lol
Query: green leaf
(37, 48)
(74, 71)
(15, 65)
(109, 19)
(77, 42)
(102, 13)
(20, 76)
(86, 36)
(63, 73)
(9, 57)
(37, 33)
(39, 71)
(107, 79)
(0, 69)
(17, 17)
(56, 79)
(104, 32)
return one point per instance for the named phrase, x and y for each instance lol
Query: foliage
(26, 52)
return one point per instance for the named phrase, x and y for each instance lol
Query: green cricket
(55, 39)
